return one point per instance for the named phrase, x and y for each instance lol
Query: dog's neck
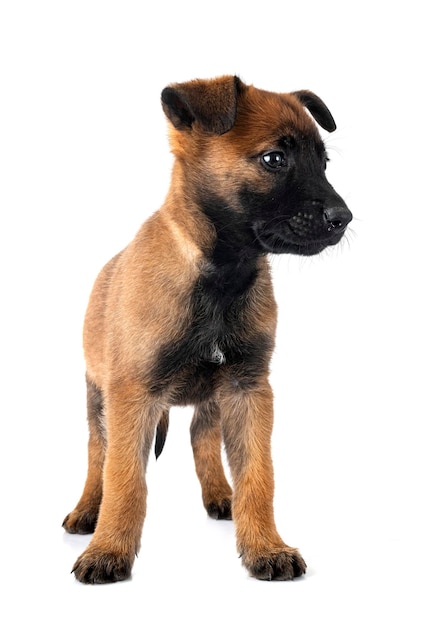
(226, 268)
(185, 244)
(231, 254)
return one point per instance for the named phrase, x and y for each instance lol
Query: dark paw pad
(98, 568)
(284, 565)
(220, 510)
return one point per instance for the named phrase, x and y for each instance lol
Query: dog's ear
(317, 109)
(212, 104)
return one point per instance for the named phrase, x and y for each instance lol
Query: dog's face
(257, 164)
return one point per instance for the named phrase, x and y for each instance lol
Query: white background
(84, 160)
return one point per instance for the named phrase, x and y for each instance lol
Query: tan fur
(141, 301)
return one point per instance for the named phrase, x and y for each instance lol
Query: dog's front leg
(130, 422)
(247, 421)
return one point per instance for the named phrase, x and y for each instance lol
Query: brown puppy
(186, 315)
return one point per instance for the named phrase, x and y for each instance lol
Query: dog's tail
(161, 433)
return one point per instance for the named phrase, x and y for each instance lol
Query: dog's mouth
(284, 241)
(309, 231)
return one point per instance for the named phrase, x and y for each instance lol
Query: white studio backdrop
(84, 159)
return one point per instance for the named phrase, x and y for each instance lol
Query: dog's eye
(274, 160)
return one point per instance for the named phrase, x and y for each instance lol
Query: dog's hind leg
(206, 442)
(83, 518)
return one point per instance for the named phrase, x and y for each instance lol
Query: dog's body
(186, 315)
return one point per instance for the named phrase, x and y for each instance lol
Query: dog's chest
(188, 367)
(218, 341)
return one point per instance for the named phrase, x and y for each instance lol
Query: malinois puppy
(185, 315)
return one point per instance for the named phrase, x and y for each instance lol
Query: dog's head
(255, 162)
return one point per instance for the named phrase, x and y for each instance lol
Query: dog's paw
(284, 564)
(80, 522)
(97, 567)
(220, 509)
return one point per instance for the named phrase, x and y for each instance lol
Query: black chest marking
(216, 342)
(219, 339)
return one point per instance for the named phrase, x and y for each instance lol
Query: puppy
(185, 315)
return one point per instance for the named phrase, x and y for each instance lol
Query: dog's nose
(337, 218)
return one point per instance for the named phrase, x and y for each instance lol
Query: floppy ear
(212, 104)
(317, 109)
